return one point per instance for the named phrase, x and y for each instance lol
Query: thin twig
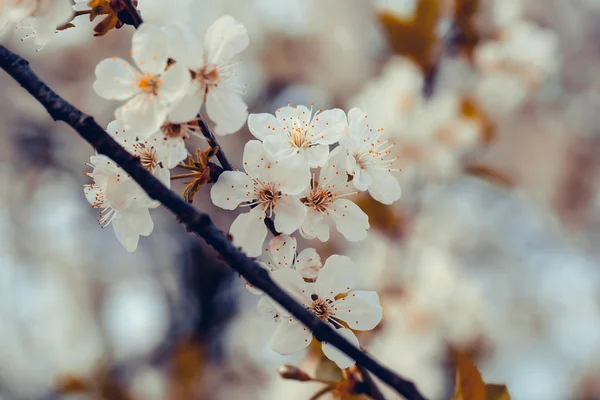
(136, 18)
(200, 223)
(212, 141)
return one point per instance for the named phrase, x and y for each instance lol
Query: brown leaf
(494, 391)
(490, 174)
(414, 38)
(469, 384)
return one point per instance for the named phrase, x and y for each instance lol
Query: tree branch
(136, 18)
(200, 223)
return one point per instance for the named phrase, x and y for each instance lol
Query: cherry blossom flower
(281, 253)
(122, 202)
(325, 198)
(369, 159)
(152, 91)
(292, 134)
(332, 299)
(38, 19)
(153, 152)
(265, 187)
(174, 136)
(212, 67)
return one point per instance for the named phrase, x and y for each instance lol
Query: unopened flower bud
(295, 373)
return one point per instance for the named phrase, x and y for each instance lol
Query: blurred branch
(200, 223)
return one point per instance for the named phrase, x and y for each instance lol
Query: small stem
(136, 18)
(190, 175)
(212, 141)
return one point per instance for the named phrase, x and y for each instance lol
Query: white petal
(331, 352)
(263, 125)
(93, 194)
(337, 276)
(362, 179)
(308, 263)
(225, 106)
(289, 214)
(282, 250)
(293, 175)
(266, 307)
(359, 129)
(249, 231)
(126, 234)
(315, 226)
(143, 114)
(232, 188)
(149, 48)
(329, 126)
(280, 147)
(291, 281)
(225, 38)
(360, 309)
(317, 156)
(187, 107)
(289, 114)
(349, 219)
(290, 337)
(140, 220)
(175, 84)
(386, 190)
(184, 46)
(115, 79)
(258, 163)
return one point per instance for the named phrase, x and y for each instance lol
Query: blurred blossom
(136, 317)
(491, 249)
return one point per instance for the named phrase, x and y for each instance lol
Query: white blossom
(122, 202)
(293, 135)
(212, 67)
(369, 159)
(266, 187)
(38, 19)
(153, 152)
(281, 253)
(332, 299)
(325, 199)
(152, 91)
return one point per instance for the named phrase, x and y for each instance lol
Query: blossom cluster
(300, 172)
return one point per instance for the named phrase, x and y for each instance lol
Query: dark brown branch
(200, 223)
(212, 141)
(136, 19)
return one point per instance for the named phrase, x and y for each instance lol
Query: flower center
(321, 309)
(319, 199)
(171, 130)
(147, 156)
(268, 195)
(209, 75)
(149, 83)
(298, 138)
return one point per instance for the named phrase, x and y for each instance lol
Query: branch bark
(200, 223)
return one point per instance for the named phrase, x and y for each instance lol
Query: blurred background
(495, 108)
